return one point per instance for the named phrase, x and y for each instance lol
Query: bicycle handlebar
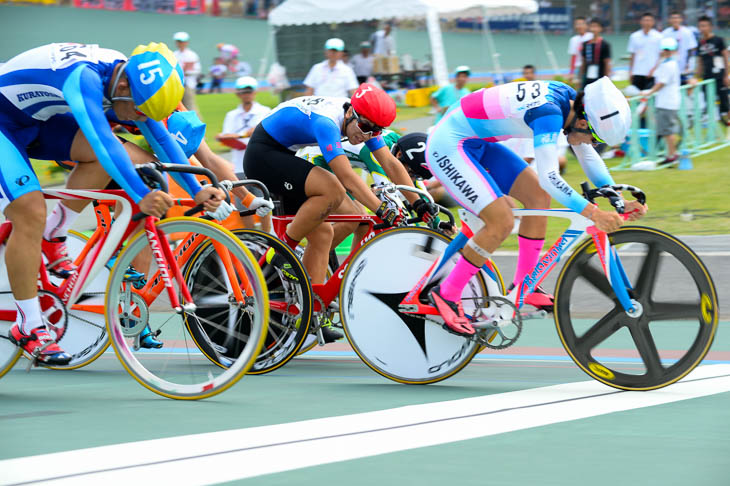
(152, 171)
(612, 194)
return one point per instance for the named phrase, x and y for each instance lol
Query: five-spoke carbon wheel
(675, 313)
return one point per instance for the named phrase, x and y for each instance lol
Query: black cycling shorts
(279, 168)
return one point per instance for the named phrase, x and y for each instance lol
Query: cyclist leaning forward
(53, 101)
(310, 192)
(477, 172)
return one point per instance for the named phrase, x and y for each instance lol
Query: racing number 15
(521, 93)
(151, 75)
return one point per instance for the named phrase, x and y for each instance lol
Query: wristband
(246, 201)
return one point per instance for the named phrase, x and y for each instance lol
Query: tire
(286, 331)
(407, 349)
(681, 315)
(183, 369)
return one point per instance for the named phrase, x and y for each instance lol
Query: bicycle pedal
(447, 328)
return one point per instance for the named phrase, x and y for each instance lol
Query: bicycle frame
(579, 225)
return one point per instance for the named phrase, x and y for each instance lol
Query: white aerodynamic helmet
(607, 111)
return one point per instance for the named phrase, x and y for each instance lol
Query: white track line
(235, 454)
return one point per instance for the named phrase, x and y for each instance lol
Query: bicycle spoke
(597, 279)
(648, 273)
(601, 330)
(668, 311)
(646, 346)
(229, 332)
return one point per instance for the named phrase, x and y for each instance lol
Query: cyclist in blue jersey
(477, 172)
(53, 101)
(310, 192)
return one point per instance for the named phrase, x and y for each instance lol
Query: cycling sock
(454, 284)
(290, 241)
(529, 254)
(29, 314)
(59, 221)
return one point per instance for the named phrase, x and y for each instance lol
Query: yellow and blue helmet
(155, 80)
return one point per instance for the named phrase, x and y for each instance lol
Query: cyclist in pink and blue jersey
(477, 172)
(54, 104)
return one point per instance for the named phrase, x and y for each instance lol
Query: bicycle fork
(614, 270)
(166, 264)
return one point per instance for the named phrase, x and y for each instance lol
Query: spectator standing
(447, 95)
(331, 77)
(190, 62)
(668, 98)
(238, 125)
(596, 56)
(712, 61)
(362, 63)
(383, 42)
(644, 49)
(686, 42)
(575, 46)
(217, 73)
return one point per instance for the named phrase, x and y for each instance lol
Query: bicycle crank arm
(539, 314)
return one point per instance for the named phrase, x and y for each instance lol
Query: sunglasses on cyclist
(367, 128)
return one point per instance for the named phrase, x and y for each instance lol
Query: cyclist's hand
(391, 213)
(262, 206)
(222, 212)
(608, 221)
(156, 203)
(426, 211)
(447, 228)
(635, 210)
(210, 197)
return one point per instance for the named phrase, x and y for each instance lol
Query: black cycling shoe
(329, 332)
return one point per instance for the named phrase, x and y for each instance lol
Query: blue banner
(550, 18)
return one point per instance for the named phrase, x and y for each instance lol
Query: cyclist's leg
(456, 163)
(22, 203)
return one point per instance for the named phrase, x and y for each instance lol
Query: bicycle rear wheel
(406, 348)
(183, 368)
(290, 299)
(674, 325)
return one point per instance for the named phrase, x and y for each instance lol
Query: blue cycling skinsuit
(462, 155)
(46, 95)
(310, 120)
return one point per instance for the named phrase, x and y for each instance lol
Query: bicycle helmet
(187, 129)
(155, 80)
(374, 104)
(413, 153)
(607, 111)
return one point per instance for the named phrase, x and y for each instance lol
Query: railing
(700, 130)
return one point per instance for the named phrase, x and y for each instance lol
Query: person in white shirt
(686, 42)
(190, 63)
(331, 77)
(238, 125)
(668, 98)
(644, 49)
(362, 63)
(217, 73)
(383, 42)
(576, 43)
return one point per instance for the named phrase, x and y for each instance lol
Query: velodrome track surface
(526, 415)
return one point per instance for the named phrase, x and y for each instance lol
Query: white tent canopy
(306, 12)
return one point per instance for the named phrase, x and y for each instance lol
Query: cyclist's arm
(83, 92)
(546, 130)
(169, 151)
(220, 167)
(395, 171)
(593, 165)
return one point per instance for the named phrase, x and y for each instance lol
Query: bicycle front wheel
(675, 318)
(187, 368)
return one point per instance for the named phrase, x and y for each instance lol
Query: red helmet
(374, 104)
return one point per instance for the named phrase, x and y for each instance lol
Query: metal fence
(700, 129)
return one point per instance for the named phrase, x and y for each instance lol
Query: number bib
(65, 54)
(523, 96)
(322, 105)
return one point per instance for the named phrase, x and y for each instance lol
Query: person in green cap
(447, 95)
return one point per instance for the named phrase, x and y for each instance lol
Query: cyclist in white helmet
(477, 172)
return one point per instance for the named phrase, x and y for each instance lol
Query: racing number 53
(521, 92)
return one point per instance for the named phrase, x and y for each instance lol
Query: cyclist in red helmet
(310, 192)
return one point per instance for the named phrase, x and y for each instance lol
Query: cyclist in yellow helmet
(55, 104)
